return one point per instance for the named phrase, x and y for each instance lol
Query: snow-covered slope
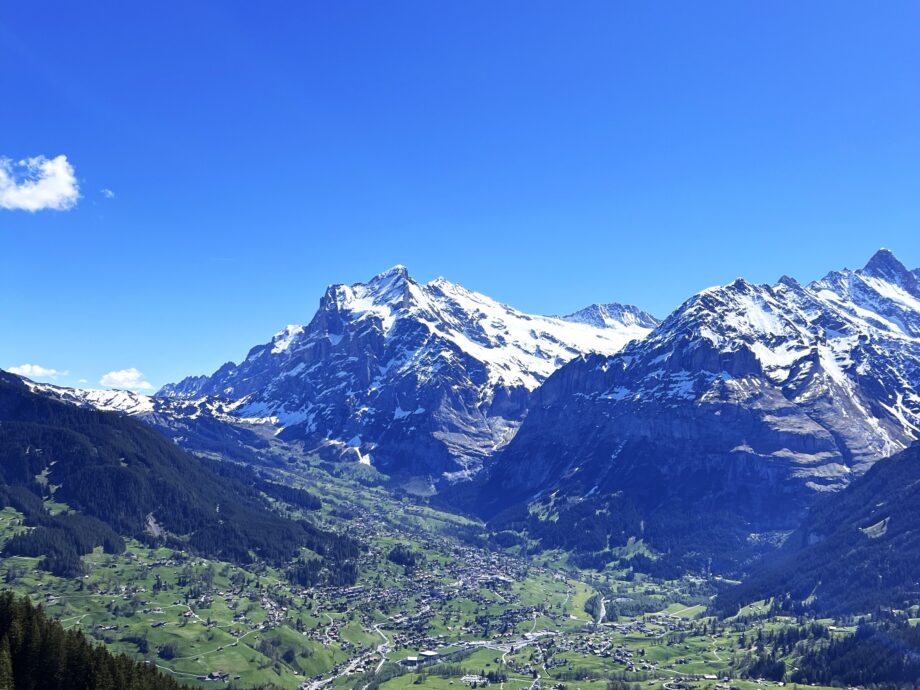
(122, 401)
(140, 405)
(205, 425)
(418, 378)
(751, 397)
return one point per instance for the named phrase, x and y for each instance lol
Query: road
(329, 627)
(382, 648)
(714, 652)
(348, 670)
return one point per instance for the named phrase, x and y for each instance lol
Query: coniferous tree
(6, 666)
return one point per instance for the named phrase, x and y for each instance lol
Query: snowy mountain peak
(431, 375)
(282, 340)
(387, 290)
(395, 269)
(611, 315)
(393, 282)
(884, 265)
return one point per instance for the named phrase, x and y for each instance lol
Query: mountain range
(708, 435)
(748, 401)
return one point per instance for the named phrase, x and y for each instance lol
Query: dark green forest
(123, 479)
(882, 655)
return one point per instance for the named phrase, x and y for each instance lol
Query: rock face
(418, 379)
(748, 398)
(856, 550)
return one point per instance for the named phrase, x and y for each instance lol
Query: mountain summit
(416, 378)
(886, 266)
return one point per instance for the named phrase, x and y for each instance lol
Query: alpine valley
(423, 486)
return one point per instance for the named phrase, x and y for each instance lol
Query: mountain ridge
(114, 471)
(747, 398)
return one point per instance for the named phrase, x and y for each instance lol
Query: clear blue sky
(548, 154)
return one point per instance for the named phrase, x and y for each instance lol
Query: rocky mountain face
(857, 549)
(417, 379)
(747, 401)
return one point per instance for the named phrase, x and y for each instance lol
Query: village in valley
(428, 609)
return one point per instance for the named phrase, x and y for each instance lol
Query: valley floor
(481, 616)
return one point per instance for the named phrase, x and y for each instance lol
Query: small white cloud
(34, 371)
(107, 193)
(82, 381)
(38, 183)
(126, 378)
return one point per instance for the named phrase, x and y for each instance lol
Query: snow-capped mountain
(114, 400)
(204, 425)
(613, 316)
(749, 397)
(416, 378)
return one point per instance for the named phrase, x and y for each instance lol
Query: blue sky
(548, 154)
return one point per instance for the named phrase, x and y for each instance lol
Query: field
(488, 616)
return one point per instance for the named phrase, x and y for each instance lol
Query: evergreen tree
(6, 666)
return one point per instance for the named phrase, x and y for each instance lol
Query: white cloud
(34, 371)
(38, 183)
(107, 193)
(126, 378)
